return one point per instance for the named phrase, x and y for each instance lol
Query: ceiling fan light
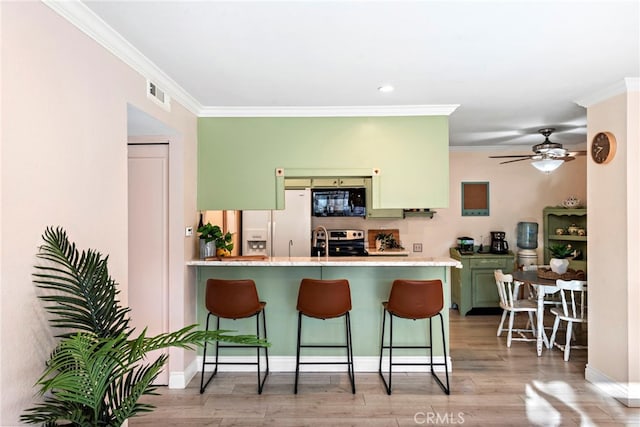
(547, 165)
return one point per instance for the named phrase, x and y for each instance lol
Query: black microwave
(338, 202)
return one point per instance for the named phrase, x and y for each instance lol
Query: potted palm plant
(559, 254)
(99, 369)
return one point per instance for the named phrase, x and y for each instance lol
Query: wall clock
(603, 147)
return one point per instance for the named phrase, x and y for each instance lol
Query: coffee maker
(498, 244)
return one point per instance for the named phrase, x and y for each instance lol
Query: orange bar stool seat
(414, 299)
(325, 299)
(234, 299)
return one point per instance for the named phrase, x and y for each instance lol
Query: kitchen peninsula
(370, 279)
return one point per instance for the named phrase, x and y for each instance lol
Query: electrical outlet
(188, 231)
(417, 247)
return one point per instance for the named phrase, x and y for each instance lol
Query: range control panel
(343, 234)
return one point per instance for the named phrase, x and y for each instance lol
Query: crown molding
(628, 84)
(78, 14)
(330, 111)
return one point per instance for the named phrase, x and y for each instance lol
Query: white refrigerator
(280, 233)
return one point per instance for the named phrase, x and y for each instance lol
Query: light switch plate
(417, 247)
(188, 231)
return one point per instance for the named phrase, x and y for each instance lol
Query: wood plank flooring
(491, 385)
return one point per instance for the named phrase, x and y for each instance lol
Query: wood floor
(491, 385)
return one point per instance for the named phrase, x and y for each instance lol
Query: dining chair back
(573, 296)
(510, 303)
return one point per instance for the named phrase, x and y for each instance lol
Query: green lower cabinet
(474, 285)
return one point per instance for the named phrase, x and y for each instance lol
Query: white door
(149, 241)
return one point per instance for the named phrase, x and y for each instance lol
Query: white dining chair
(573, 295)
(509, 302)
(550, 299)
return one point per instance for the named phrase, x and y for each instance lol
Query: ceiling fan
(548, 156)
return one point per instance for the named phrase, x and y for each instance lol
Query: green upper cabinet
(238, 158)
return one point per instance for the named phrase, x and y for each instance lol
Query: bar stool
(414, 299)
(234, 299)
(325, 299)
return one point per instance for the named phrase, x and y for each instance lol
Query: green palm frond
(98, 371)
(84, 297)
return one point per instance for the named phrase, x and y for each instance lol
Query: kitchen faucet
(326, 240)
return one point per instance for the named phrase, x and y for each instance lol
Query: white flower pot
(207, 249)
(559, 266)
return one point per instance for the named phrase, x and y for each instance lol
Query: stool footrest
(230, 363)
(324, 363)
(419, 347)
(240, 346)
(417, 364)
(323, 346)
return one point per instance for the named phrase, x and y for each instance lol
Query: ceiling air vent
(158, 95)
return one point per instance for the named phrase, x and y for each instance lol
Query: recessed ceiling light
(386, 88)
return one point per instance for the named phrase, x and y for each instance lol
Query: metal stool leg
(387, 386)
(295, 387)
(444, 349)
(204, 385)
(348, 346)
(261, 380)
(264, 327)
(352, 375)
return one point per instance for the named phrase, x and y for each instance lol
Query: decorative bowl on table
(571, 274)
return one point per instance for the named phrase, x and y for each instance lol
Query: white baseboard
(627, 393)
(179, 380)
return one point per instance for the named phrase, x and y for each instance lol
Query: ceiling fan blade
(546, 150)
(507, 157)
(516, 160)
(577, 153)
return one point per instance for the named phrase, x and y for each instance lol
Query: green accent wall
(238, 157)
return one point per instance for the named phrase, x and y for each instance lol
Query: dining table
(542, 287)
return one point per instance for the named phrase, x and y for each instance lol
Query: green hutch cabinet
(474, 286)
(559, 218)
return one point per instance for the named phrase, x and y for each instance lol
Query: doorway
(148, 186)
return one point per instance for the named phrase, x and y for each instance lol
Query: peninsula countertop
(334, 262)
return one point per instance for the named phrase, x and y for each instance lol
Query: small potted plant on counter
(213, 242)
(381, 240)
(559, 253)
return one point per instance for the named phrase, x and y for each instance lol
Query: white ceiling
(513, 67)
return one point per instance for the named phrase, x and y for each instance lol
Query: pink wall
(614, 232)
(518, 192)
(64, 162)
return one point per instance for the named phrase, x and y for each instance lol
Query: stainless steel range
(343, 242)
